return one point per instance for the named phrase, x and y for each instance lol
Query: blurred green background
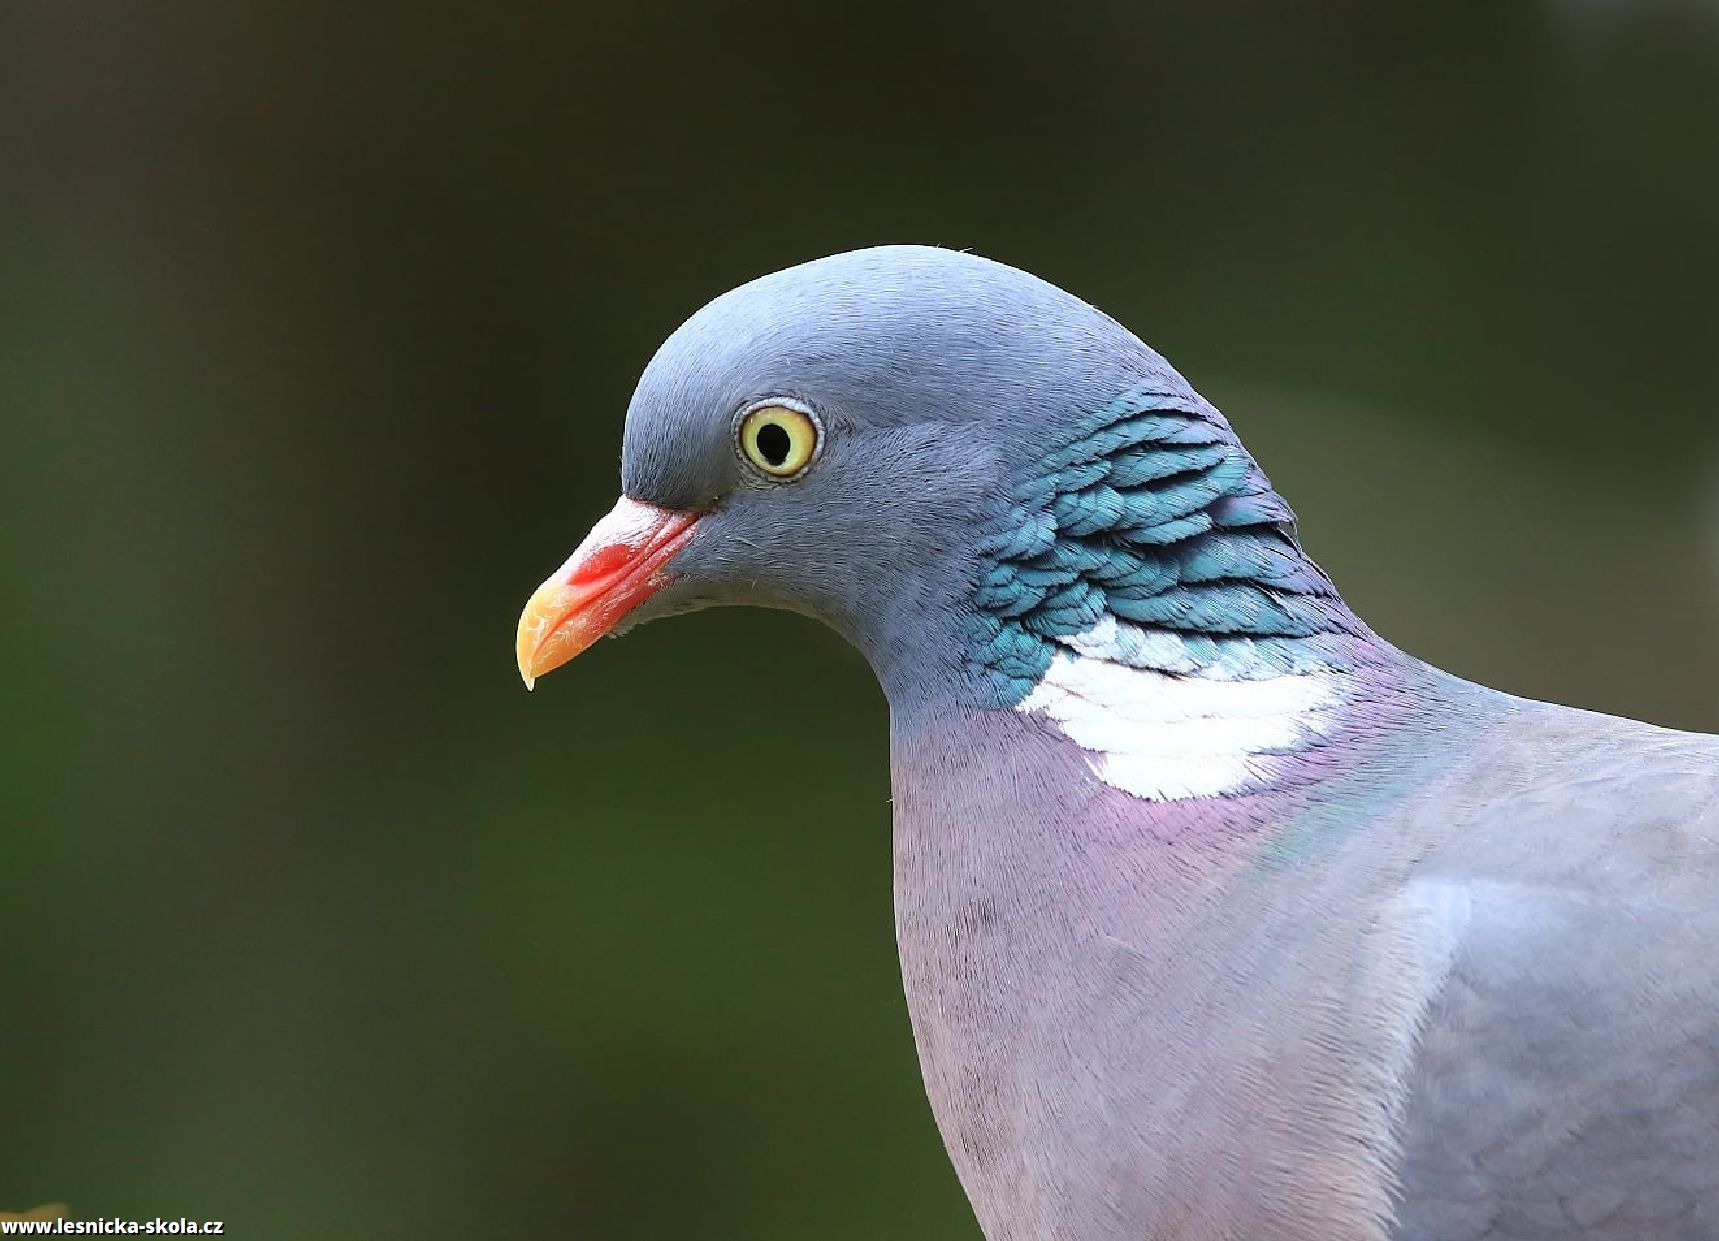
(317, 323)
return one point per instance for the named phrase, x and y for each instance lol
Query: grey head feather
(940, 379)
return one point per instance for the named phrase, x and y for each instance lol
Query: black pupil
(773, 443)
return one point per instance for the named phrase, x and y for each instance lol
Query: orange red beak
(621, 563)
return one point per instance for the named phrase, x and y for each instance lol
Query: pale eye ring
(780, 440)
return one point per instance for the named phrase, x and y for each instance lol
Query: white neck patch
(1162, 726)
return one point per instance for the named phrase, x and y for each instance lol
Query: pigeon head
(952, 462)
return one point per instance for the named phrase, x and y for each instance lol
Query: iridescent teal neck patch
(1152, 514)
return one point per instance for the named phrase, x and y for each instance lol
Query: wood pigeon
(1220, 918)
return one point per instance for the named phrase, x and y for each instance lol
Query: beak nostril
(604, 563)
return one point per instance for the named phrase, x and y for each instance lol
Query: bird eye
(779, 440)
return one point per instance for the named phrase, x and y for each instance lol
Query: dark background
(316, 329)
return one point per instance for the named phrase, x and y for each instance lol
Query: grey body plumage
(1212, 925)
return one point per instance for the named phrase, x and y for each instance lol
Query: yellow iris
(779, 440)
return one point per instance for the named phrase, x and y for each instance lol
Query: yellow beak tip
(535, 625)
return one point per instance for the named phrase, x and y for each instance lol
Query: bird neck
(1141, 590)
(1151, 521)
